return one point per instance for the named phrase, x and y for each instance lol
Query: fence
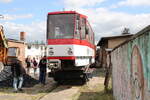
(131, 68)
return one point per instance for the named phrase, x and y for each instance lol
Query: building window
(13, 51)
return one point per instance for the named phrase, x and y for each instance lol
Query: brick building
(16, 48)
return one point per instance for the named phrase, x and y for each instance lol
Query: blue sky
(38, 9)
(107, 17)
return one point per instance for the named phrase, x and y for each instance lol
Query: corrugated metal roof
(14, 40)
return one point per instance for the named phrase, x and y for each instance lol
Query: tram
(70, 45)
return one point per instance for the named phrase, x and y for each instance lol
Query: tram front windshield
(60, 26)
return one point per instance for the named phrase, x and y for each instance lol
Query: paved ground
(62, 93)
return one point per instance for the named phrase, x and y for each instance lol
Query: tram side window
(82, 22)
(89, 33)
(77, 32)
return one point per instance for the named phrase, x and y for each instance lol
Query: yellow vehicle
(3, 46)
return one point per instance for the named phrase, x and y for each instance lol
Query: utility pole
(1, 16)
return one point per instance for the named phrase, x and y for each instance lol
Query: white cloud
(34, 31)
(135, 2)
(107, 23)
(81, 3)
(14, 17)
(132, 3)
(6, 1)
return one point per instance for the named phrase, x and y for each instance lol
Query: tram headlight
(51, 52)
(70, 51)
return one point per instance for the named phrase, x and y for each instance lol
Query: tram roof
(66, 12)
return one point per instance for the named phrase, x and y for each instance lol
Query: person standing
(34, 65)
(28, 63)
(42, 68)
(17, 73)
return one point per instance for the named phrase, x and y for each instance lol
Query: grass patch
(95, 91)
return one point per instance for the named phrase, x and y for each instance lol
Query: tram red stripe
(70, 41)
(63, 58)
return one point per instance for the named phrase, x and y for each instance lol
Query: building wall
(36, 51)
(112, 43)
(21, 47)
(102, 57)
(131, 69)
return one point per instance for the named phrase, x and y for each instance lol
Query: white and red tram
(70, 45)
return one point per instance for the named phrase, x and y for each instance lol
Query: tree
(126, 31)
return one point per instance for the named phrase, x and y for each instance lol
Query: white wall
(34, 52)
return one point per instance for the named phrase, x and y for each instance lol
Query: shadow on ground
(98, 72)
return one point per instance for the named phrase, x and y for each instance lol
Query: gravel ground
(28, 82)
(31, 90)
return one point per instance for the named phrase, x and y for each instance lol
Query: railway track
(61, 92)
(64, 90)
